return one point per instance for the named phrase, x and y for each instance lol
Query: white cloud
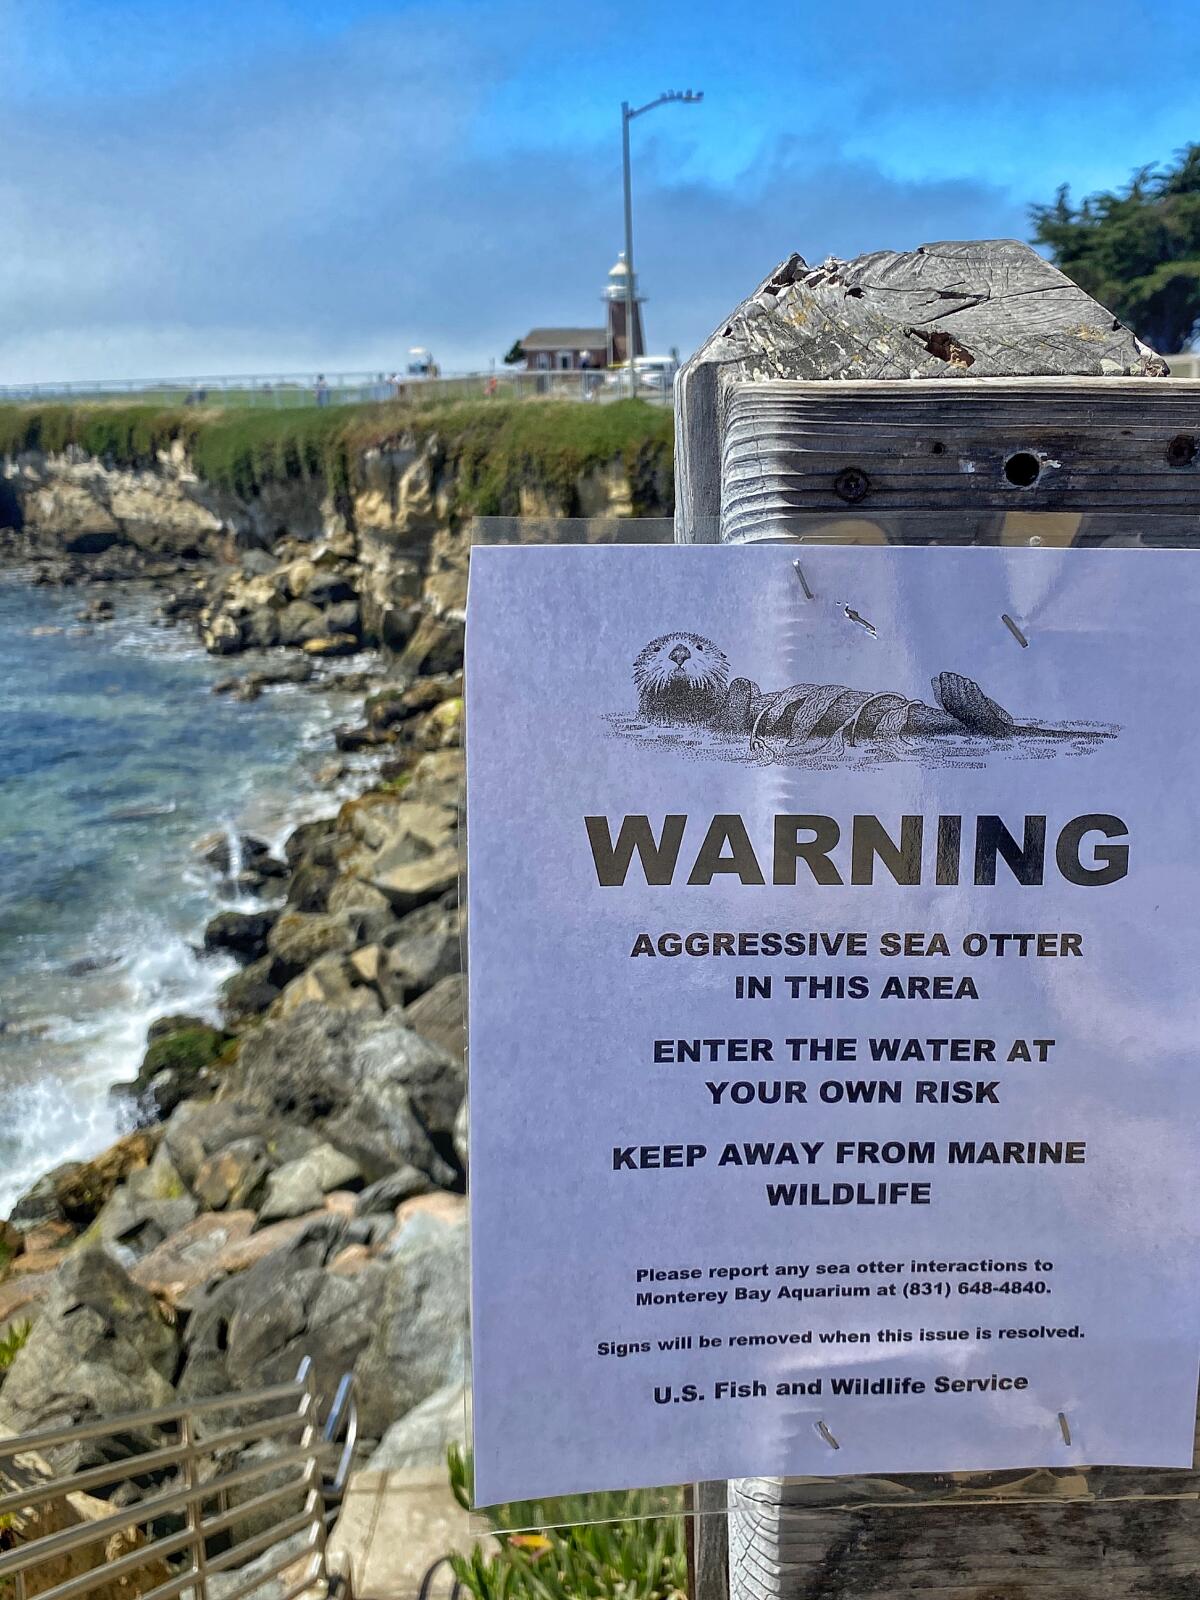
(331, 207)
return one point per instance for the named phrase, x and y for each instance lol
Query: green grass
(501, 447)
(123, 435)
(244, 451)
(627, 1545)
(13, 1342)
(187, 1050)
(496, 447)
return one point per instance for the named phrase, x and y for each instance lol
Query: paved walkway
(392, 1528)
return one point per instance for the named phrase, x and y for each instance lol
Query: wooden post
(710, 1544)
(815, 413)
(979, 310)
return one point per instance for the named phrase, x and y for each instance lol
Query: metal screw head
(851, 484)
(1181, 451)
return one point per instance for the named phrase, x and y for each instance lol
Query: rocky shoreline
(293, 1181)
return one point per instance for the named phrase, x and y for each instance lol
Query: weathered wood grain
(981, 309)
(792, 450)
(1141, 1549)
(710, 1544)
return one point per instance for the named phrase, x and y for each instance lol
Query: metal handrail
(48, 1438)
(342, 1420)
(160, 1505)
(191, 1482)
(151, 1461)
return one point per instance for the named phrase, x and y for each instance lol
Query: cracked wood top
(975, 310)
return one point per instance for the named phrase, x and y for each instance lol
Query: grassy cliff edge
(494, 448)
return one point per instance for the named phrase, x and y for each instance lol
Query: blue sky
(261, 186)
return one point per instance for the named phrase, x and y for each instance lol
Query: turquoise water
(115, 761)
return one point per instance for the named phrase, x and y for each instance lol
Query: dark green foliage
(190, 1050)
(243, 450)
(626, 1545)
(1137, 252)
(121, 436)
(516, 353)
(500, 448)
(496, 447)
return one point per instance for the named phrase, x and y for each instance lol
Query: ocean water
(115, 761)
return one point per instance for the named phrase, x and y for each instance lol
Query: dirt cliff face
(389, 541)
(75, 504)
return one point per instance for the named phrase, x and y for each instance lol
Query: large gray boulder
(40, 1202)
(329, 586)
(422, 1438)
(266, 1577)
(312, 841)
(100, 1347)
(334, 982)
(301, 1185)
(369, 1086)
(407, 849)
(250, 992)
(440, 1015)
(135, 1225)
(419, 1344)
(385, 1195)
(255, 1328)
(299, 621)
(343, 618)
(200, 1130)
(439, 776)
(299, 938)
(242, 933)
(309, 886)
(424, 948)
(151, 1205)
(233, 1178)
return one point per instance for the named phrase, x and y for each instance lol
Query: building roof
(565, 339)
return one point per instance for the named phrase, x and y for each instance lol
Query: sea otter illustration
(683, 679)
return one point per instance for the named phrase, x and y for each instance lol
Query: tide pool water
(115, 760)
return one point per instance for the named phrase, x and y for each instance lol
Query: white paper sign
(834, 1007)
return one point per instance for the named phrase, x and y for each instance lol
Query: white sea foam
(60, 1108)
(81, 983)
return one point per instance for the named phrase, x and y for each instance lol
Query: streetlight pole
(628, 112)
(627, 117)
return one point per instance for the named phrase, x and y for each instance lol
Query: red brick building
(565, 349)
(573, 349)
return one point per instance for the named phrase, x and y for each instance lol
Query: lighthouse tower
(614, 296)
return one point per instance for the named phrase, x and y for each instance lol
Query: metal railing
(284, 390)
(198, 1518)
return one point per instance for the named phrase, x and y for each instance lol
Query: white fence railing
(342, 388)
